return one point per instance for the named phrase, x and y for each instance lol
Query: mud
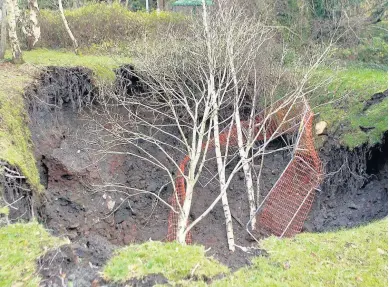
(90, 194)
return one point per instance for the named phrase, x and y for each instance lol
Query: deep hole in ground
(79, 204)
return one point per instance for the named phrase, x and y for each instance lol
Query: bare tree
(65, 22)
(3, 40)
(191, 100)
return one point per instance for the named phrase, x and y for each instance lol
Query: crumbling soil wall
(355, 190)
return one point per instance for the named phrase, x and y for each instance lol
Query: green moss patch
(15, 138)
(174, 261)
(354, 257)
(102, 66)
(20, 246)
(343, 101)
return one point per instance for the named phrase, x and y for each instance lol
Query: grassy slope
(20, 246)
(348, 90)
(15, 143)
(174, 261)
(102, 66)
(353, 257)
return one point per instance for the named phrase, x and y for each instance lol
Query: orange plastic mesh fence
(288, 203)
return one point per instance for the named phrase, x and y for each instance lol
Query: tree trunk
(34, 32)
(222, 180)
(13, 37)
(242, 151)
(3, 40)
(65, 22)
(160, 5)
(184, 215)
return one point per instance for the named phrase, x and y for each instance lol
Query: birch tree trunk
(243, 152)
(3, 40)
(34, 30)
(219, 160)
(65, 22)
(223, 185)
(13, 37)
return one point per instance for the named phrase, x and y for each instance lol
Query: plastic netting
(286, 206)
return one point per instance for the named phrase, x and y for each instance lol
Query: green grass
(354, 257)
(102, 66)
(174, 261)
(20, 246)
(15, 137)
(349, 90)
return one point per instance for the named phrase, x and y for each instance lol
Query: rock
(321, 128)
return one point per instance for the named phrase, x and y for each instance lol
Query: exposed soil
(355, 190)
(79, 202)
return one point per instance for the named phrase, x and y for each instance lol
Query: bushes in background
(102, 23)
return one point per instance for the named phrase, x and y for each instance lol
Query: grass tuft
(176, 262)
(354, 257)
(20, 246)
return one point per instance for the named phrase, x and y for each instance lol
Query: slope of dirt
(86, 201)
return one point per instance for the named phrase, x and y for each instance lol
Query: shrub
(103, 23)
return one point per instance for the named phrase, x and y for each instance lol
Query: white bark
(3, 40)
(216, 132)
(33, 29)
(13, 37)
(65, 22)
(239, 133)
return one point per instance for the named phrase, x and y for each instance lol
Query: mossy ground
(102, 66)
(341, 104)
(20, 246)
(174, 261)
(15, 138)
